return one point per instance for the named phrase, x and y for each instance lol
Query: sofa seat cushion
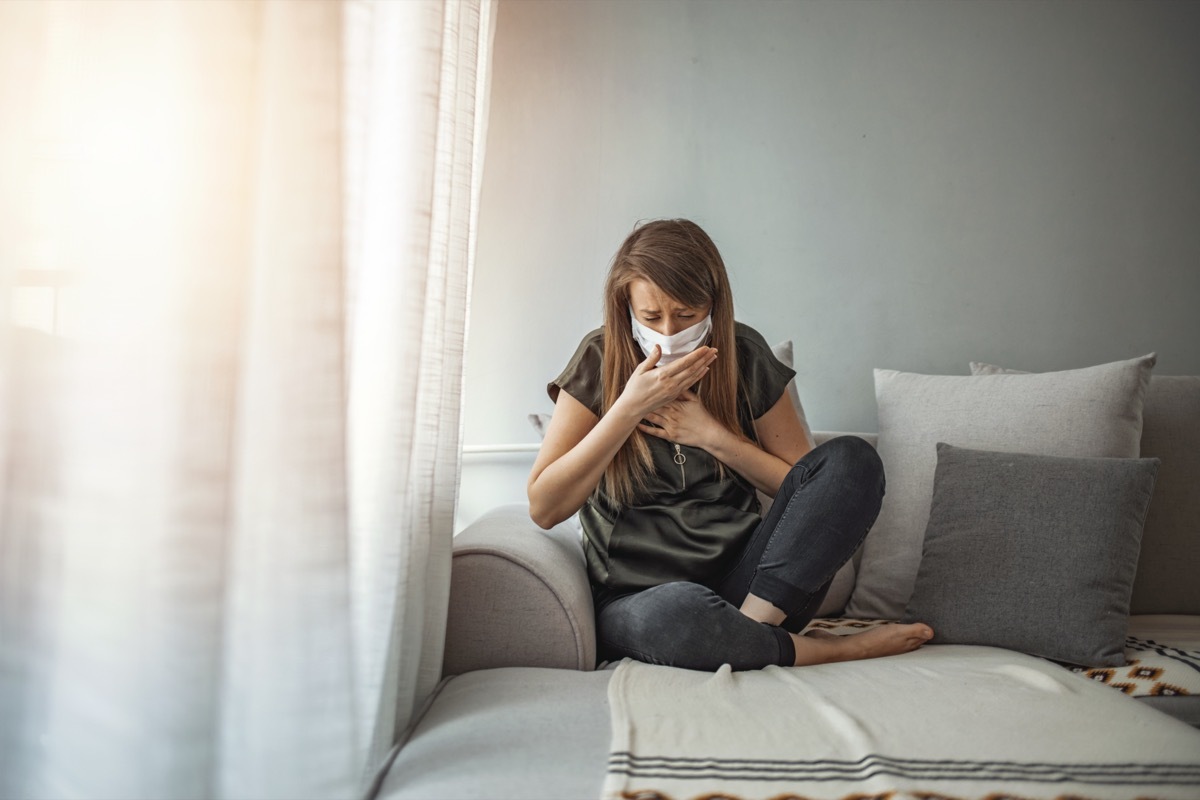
(536, 733)
(528, 732)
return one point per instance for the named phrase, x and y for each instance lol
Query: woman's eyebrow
(677, 309)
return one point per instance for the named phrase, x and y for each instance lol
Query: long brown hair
(678, 257)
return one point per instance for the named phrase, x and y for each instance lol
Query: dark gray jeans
(824, 508)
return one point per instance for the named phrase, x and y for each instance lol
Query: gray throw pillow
(1170, 561)
(1090, 412)
(1033, 553)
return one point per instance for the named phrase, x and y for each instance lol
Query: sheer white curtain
(229, 458)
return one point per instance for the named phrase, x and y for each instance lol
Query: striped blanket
(942, 722)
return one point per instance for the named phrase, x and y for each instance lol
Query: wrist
(621, 412)
(721, 443)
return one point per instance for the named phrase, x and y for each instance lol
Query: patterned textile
(1154, 669)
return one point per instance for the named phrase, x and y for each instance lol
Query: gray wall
(909, 185)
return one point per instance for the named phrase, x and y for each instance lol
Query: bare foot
(886, 640)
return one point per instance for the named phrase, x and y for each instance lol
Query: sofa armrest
(519, 596)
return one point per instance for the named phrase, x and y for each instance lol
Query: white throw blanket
(944, 721)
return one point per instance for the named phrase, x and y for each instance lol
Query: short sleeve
(765, 378)
(581, 377)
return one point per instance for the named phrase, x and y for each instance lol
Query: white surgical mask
(676, 345)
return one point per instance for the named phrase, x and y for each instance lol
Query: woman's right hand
(579, 445)
(651, 386)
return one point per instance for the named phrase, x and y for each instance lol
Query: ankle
(811, 650)
(760, 610)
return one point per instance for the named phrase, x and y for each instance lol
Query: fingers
(656, 423)
(656, 386)
(653, 431)
(651, 360)
(692, 367)
(701, 355)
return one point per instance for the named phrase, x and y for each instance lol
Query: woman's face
(660, 312)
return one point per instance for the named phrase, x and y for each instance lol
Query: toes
(921, 631)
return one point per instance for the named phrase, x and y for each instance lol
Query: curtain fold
(418, 188)
(230, 457)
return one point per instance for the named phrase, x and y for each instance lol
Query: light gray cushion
(519, 596)
(539, 422)
(1166, 580)
(1091, 412)
(1033, 553)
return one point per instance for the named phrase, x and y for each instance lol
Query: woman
(665, 422)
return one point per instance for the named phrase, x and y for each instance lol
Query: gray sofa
(524, 713)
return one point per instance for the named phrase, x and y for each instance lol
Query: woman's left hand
(684, 420)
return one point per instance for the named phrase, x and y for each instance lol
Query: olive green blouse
(691, 521)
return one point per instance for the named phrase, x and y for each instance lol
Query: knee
(854, 460)
(673, 608)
